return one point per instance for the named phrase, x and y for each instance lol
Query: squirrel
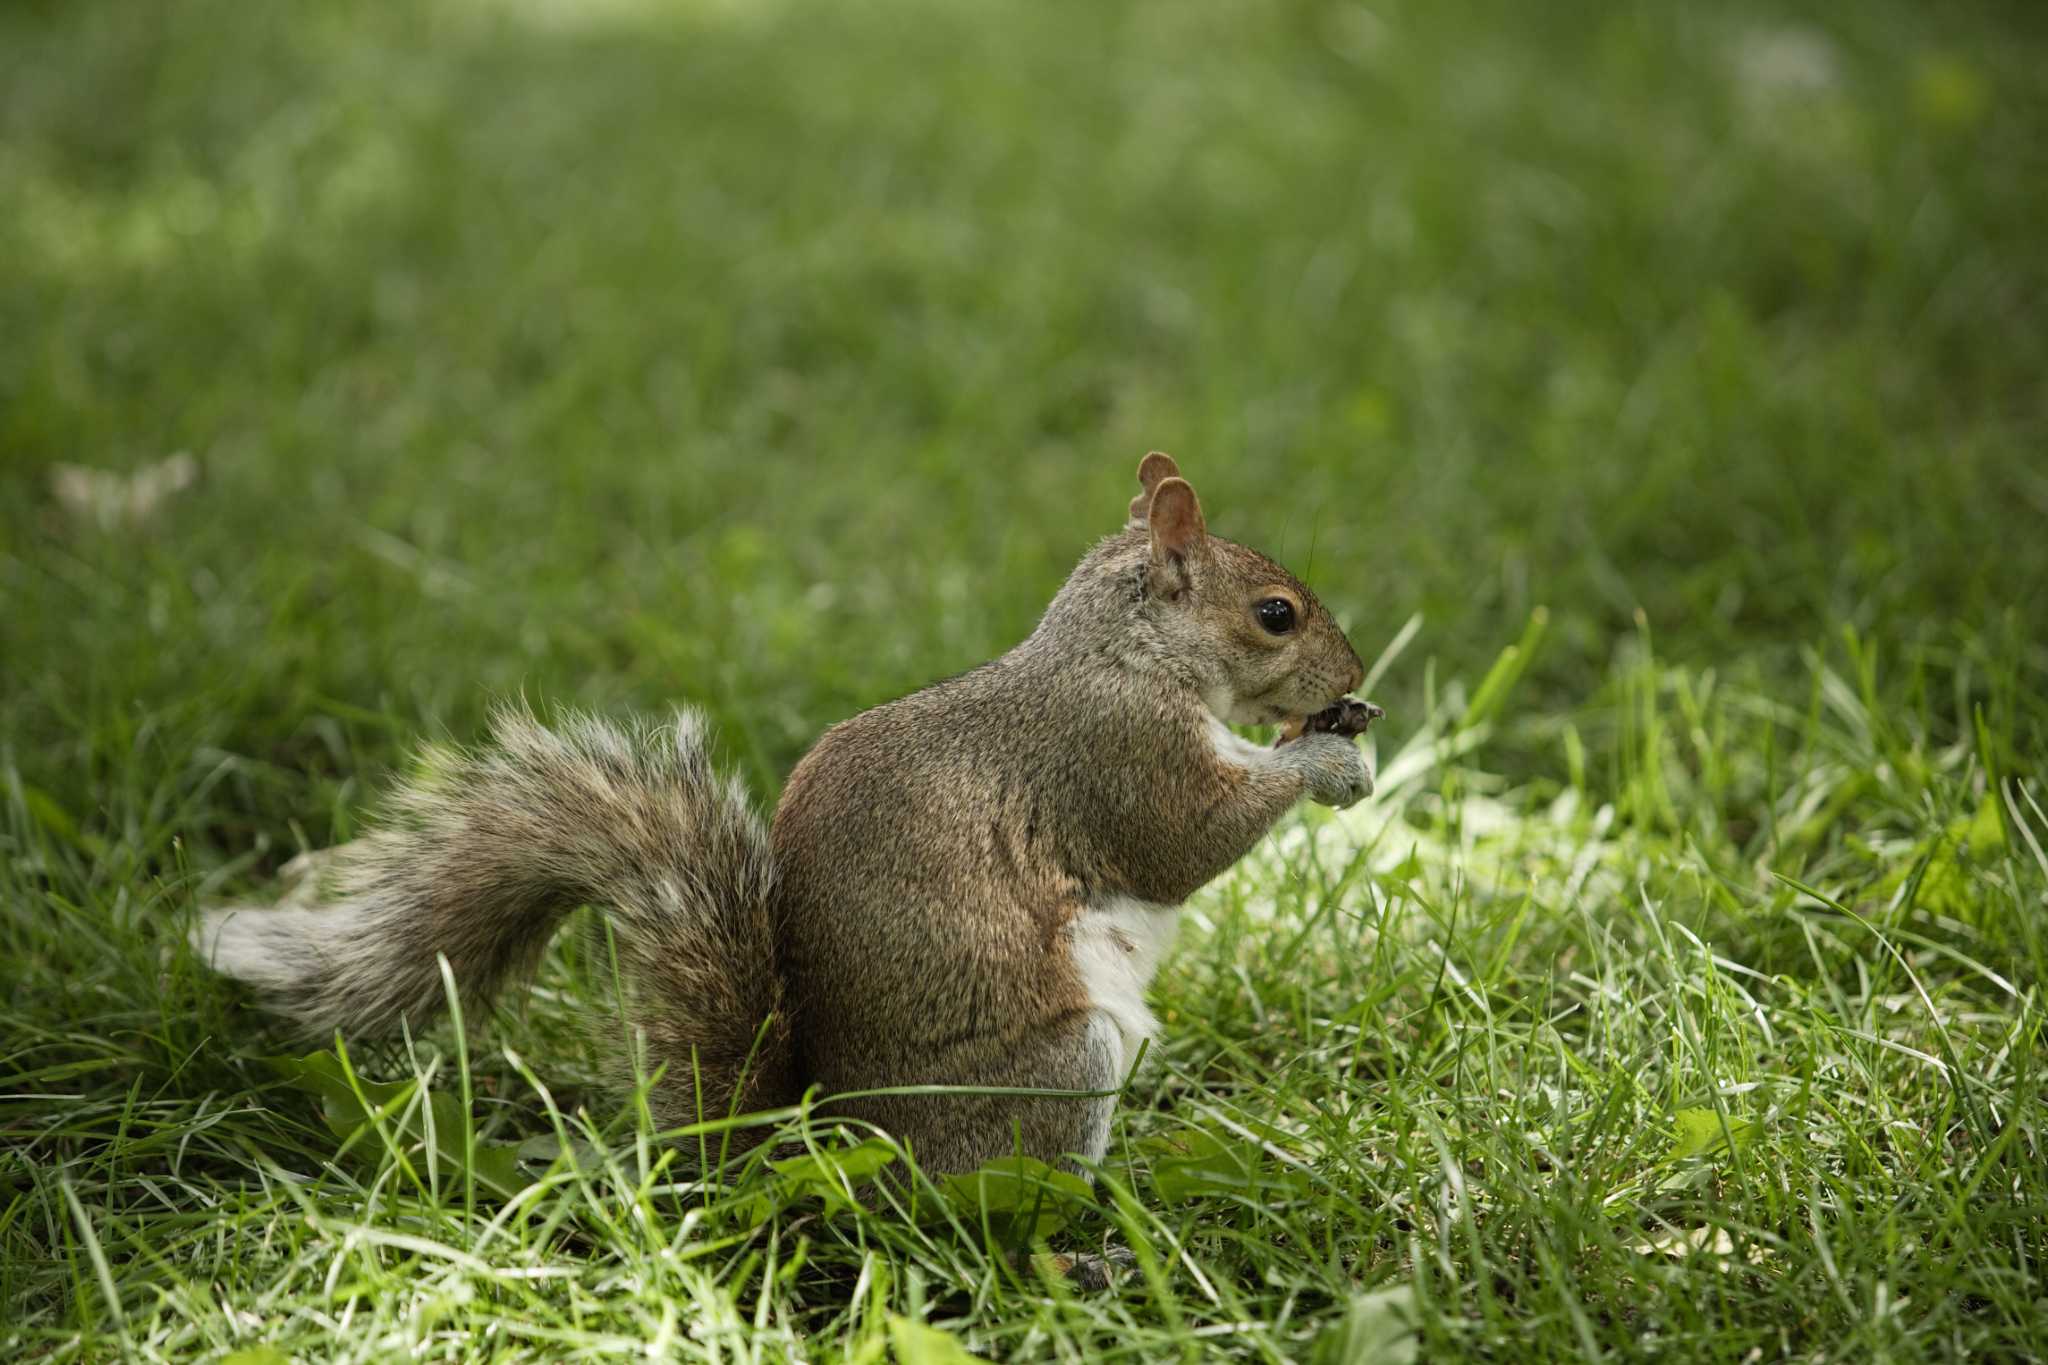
(970, 886)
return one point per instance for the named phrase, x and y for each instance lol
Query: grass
(1679, 995)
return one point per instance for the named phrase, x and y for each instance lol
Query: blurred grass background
(781, 357)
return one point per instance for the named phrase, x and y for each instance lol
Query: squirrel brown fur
(968, 887)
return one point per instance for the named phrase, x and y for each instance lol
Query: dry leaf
(110, 500)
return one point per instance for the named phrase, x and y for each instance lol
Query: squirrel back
(969, 886)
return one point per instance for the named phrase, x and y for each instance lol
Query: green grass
(1680, 994)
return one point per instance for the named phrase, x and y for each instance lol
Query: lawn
(1657, 392)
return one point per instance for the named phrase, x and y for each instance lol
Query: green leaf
(828, 1173)
(495, 1165)
(1985, 833)
(257, 1355)
(919, 1343)
(1955, 859)
(868, 1351)
(1376, 1329)
(1195, 1163)
(1698, 1132)
(829, 1166)
(1018, 1198)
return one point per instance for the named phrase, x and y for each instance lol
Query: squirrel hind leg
(960, 1132)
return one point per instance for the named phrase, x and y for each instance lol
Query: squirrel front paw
(1335, 771)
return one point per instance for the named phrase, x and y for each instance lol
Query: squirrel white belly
(970, 886)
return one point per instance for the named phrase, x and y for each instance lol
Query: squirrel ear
(1178, 534)
(1153, 470)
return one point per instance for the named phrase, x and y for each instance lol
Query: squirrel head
(1255, 642)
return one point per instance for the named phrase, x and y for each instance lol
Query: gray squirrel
(970, 886)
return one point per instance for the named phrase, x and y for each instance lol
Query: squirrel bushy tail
(481, 854)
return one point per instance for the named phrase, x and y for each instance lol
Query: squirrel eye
(1276, 614)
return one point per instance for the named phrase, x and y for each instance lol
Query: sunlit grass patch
(1477, 1059)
